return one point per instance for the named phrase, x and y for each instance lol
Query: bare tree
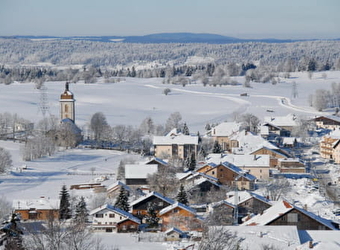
(276, 188)
(164, 181)
(249, 122)
(173, 122)
(59, 235)
(5, 207)
(99, 126)
(219, 238)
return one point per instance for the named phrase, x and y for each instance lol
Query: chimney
(310, 244)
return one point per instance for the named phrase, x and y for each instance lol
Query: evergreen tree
(207, 127)
(121, 171)
(151, 218)
(64, 209)
(191, 162)
(81, 210)
(122, 201)
(182, 196)
(217, 148)
(199, 137)
(185, 129)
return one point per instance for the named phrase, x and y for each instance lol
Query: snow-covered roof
(280, 208)
(289, 120)
(139, 171)
(289, 140)
(156, 194)
(199, 181)
(321, 239)
(276, 150)
(248, 142)
(245, 195)
(256, 238)
(174, 229)
(39, 204)
(334, 134)
(264, 130)
(117, 185)
(222, 202)
(247, 160)
(159, 160)
(225, 129)
(331, 117)
(239, 171)
(178, 139)
(177, 205)
(108, 207)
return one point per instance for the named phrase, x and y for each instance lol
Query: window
(292, 217)
(175, 211)
(99, 216)
(111, 215)
(160, 203)
(66, 108)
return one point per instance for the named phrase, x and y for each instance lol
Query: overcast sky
(243, 19)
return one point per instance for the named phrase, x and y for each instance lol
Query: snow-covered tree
(122, 200)
(99, 126)
(151, 218)
(217, 148)
(185, 129)
(64, 208)
(5, 160)
(182, 196)
(81, 212)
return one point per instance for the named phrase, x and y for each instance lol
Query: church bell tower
(67, 107)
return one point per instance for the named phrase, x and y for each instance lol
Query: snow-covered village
(96, 169)
(169, 125)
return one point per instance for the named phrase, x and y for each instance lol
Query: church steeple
(67, 104)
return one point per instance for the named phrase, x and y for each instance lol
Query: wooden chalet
(327, 122)
(37, 209)
(180, 216)
(140, 206)
(248, 202)
(284, 213)
(229, 174)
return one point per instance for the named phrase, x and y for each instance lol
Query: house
(175, 145)
(291, 165)
(140, 206)
(274, 153)
(157, 161)
(229, 174)
(174, 234)
(328, 145)
(113, 190)
(37, 209)
(222, 133)
(289, 142)
(201, 185)
(109, 219)
(180, 216)
(285, 213)
(248, 202)
(137, 174)
(327, 122)
(284, 123)
(221, 213)
(257, 165)
(245, 142)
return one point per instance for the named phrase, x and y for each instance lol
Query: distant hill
(164, 38)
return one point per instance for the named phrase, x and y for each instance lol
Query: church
(69, 134)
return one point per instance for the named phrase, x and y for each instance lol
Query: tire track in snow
(283, 101)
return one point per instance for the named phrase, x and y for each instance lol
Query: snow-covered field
(128, 103)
